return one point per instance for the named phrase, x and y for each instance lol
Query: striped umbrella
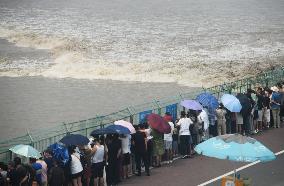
(207, 100)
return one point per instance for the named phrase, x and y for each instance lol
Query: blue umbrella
(119, 129)
(112, 129)
(75, 139)
(26, 151)
(102, 131)
(235, 147)
(231, 103)
(59, 153)
(191, 104)
(207, 100)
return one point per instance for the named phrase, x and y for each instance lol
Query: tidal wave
(81, 59)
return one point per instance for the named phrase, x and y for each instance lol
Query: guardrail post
(66, 129)
(131, 119)
(159, 107)
(31, 139)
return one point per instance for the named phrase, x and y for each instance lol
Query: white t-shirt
(203, 117)
(99, 154)
(75, 165)
(43, 170)
(184, 124)
(125, 144)
(169, 137)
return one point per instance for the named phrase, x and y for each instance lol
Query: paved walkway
(192, 172)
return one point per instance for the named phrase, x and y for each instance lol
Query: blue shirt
(276, 97)
(38, 168)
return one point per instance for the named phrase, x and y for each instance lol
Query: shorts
(260, 115)
(175, 146)
(98, 169)
(77, 175)
(126, 159)
(239, 119)
(168, 145)
(267, 115)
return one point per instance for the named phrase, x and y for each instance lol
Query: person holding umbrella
(97, 160)
(158, 127)
(158, 142)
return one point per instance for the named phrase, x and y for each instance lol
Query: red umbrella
(168, 118)
(158, 123)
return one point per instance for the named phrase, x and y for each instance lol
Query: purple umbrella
(191, 104)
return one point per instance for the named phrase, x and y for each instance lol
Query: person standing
(125, 149)
(275, 106)
(168, 139)
(221, 119)
(184, 133)
(75, 167)
(56, 175)
(12, 177)
(43, 172)
(38, 170)
(113, 155)
(260, 109)
(266, 104)
(204, 121)
(140, 148)
(24, 178)
(158, 144)
(97, 160)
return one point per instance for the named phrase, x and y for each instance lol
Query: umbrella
(191, 104)
(158, 123)
(125, 124)
(26, 151)
(235, 147)
(119, 129)
(245, 102)
(102, 131)
(231, 103)
(112, 129)
(74, 139)
(207, 100)
(59, 153)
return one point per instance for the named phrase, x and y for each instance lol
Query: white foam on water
(158, 56)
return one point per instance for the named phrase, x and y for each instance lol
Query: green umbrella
(26, 151)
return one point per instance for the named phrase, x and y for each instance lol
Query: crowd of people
(109, 159)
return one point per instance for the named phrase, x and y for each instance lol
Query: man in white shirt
(168, 140)
(184, 133)
(203, 118)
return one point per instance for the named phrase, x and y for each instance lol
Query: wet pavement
(200, 169)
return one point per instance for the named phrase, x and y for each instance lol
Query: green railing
(41, 139)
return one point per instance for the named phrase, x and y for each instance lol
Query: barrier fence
(41, 139)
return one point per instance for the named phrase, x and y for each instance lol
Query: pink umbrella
(125, 124)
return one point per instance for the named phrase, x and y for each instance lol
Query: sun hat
(274, 89)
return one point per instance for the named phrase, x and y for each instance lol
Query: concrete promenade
(200, 169)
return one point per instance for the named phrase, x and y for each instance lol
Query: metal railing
(41, 139)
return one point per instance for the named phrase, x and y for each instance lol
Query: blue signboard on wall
(172, 109)
(142, 116)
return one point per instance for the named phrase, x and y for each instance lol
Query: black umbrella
(75, 139)
(245, 102)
